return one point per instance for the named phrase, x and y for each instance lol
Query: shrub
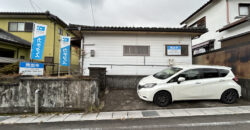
(10, 69)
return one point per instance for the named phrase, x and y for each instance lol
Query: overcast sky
(153, 13)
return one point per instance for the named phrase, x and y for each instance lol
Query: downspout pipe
(54, 44)
(82, 50)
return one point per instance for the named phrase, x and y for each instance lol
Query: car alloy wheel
(229, 96)
(162, 99)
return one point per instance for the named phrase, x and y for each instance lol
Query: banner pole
(58, 69)
(32, 42)
(59, 62)
(69, 70)
(69, 59)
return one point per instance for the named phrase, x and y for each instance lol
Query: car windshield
(166, 73)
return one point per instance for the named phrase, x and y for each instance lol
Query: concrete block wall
(56, 95)
(122, 82)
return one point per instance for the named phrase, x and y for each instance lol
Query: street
(225, 122)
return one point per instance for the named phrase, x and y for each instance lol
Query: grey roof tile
(8, 37)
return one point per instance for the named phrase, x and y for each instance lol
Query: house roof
(236, 23)
(75, 27)
(12, 39)
(34, 15)
(235, 36)
(203, 44)
(197, 11)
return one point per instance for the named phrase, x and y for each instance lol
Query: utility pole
(81, 50)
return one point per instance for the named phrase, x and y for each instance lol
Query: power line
(37, 6)
(93, 17)
(32, 5)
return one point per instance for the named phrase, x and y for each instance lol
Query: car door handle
(198, 83)
(222, 80)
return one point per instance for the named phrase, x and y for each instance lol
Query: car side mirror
(181, 79)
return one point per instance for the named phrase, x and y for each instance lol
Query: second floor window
(20, 27)
(244, 9)
(60, 31)
(200, 23)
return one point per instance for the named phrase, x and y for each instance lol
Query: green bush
(10, 69)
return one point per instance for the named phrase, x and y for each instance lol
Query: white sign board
(174, 50)
(28, 68)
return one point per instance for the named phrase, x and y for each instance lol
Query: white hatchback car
(190, 82)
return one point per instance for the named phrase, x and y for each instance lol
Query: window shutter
(28, 27)
(184, 50)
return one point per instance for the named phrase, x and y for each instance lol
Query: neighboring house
(135, 50)
(12, 48)
(21, 24)
(224, 19)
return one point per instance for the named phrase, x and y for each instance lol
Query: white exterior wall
(233, 13)
(109, 50)
(216, 18)
(245, 27)
(234, 8)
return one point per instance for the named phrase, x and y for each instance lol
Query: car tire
(229, 96)
(162, 98)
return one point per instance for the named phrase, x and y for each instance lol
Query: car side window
(189, 75)
(192, 74)
(210, 73)
(223, 72)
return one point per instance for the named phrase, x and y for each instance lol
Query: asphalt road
(228, 122)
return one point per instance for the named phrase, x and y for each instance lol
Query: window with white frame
(132, 50)
(244, 9)
(20, 26)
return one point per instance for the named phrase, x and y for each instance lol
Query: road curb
(126, 115)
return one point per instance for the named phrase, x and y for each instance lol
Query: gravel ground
(127, 99)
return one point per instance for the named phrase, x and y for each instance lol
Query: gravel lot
(127, 99)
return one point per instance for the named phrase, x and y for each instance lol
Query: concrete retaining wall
(56, 95)
(118, 82)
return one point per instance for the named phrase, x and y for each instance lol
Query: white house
(135, 50)
(224, 19)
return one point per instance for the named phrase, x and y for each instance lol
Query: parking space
(127, 99)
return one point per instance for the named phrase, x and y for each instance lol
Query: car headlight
(150, 85)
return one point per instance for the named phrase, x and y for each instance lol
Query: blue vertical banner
(65, 51)
(39, 36)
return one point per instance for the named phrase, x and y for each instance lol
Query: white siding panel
(109, 53)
